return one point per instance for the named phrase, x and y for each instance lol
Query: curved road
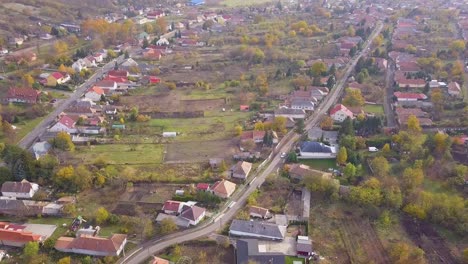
(29, 139)
(146, 250)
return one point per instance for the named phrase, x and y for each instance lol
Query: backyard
(121, 153)
(320, 164)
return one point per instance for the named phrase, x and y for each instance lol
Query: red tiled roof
(105, 84)
(117, 73)
(255, 135)
(23, 93)
(116, 79)
(341, 107)
(67, 121)
(97, 90)
(203, 186)
(17, 187)
(57, 75)
(92, 243)
(18, 236)
(171, 206)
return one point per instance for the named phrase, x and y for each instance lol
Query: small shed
(373, 149)
(179, 192)
(169, 134)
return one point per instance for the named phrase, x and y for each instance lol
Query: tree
(349, 171)
(167, 226)
(457, 46)
(369, 194)
(404, 253)
(64, 260)
(353, 98)
(292, 157)
(437, 99)
(145, 43)
(412, 177)
(385, 220)
(317, 69)
(102, 215)
(351, 31)
(28, 80)
(82, 178)
(279, 124)
(202, 258)
(386, 149)
(342, 156)
(300, 126)
(441, 143)
(60, 47)
(413, 125)
(261, 82)
(31, 249)
(259, 126)
(5, 175)
(465, 256)
(327, 123)
(64, 176)
(331, 81)
(63, 142)
(238, 130)
(380, 167)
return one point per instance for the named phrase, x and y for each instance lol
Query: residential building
(317, 134)
(193, 214)
(23, 95)
(304, 247)
(290, 113)
(204, 187)
(240, 170)
(298, 103)
(453, 89)
(41, 148)
(15, 236)
(340, 112)
(223, 188)
(249, 251)
(316, 150)
(255, 229)
(94, 94)
(22, 189)
(297, 172)
(255, 135)
(92, 245)
(409, 97)
(259, 212)
(64, 124)
(57, 78)
(172, 207)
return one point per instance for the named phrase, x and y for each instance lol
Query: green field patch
(320, 164)
(122, 153)
(374, 109)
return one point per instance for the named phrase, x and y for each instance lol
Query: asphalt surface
(146, 250)
(388, 96)
(30, 138)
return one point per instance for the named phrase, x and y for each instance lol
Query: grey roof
(288, 111)
(247, 249)
(302, 103)
(258, 229)
(304, 246)
(316, 133)
(315, 147)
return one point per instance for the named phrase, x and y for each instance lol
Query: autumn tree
(412, 177)
(63, 141)
(437, 99)
(380, 167)
(238, 130)
(386, 150)
(261, 83)
(64, 176)
(30, 250)
(457, 71)
(342, 156)
(28, 80)
(102, 215)
(441, 143)
(353, 98)
(413, 125)
(317, 69)
(64, 260)
(457, 46)
(327, 123)
(167, 226)
(259, 126)
(401, 252)
(279, 124)
(368, 194)
(349, 171)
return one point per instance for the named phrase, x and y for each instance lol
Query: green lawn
(290, 259)
(320, 164)
(24, 127)
(122, 153)
(374, 109)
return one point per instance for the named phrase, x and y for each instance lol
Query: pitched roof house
(340, 112)
(454, 89)
(22, 189)
(297, 172)
(94, 93)
(316, 150)
(254, 229)
(259, 212)
(65, 124)
(57, 78)
(193, 214)
(203, 187)
(92, 245)
(172, 207)
(402, 97)
(249, 251)
(240, 170)
(22, 95)
(223, 188)
(304, 246)
(256, 136)
(17, 237)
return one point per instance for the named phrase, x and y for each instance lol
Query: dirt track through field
(362, 242)
(427, 238)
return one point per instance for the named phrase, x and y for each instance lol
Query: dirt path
(427, 238)
(361, 241)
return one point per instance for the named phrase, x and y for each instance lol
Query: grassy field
(24, 127)
(290, 260)
(374, 109)
(320, 164)
(122, 153)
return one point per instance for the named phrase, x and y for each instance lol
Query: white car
(283, 155)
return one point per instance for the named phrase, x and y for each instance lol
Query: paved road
(29, 139)
(388, 96)
(146, 250)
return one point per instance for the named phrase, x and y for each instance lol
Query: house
(306, 105)
(129, 63)
(304, 247)
(259, 212)
(118, 74)
(340, 112)
(204, 187)
(23, 95)
(290, 113)
(22, 189)
(65, 124)
(215, 163)
(106, 85)
(453, 89)
(254, 229)
(249, 251)
(240, 170)
(244, 108)
(157, 260)
(52, 209)
(409, 97)
(41, 148)
(316, 150)
(172, 207)
(92, 245)
(402, 115)
(193, 214)
(152, 54)
(317, 134)
(17, 237)
(223, 188)
(57, 78)
(79, 65)
(94, 93)
(256, 136)
(155, 14)
(297, 172)
(150, 80)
